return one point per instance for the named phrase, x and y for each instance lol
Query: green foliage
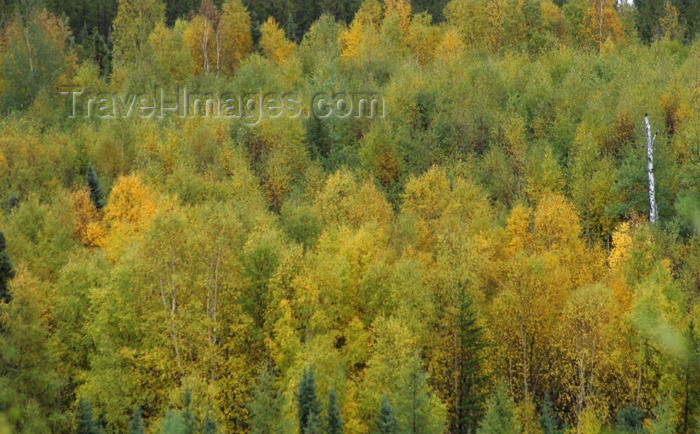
(136, 423)
(548, 419)
(84, 419)
(500, 413)
(266, 405)
(471, 380)
(308, 405)
(93, 183)
(6, 271)
(630, 419)
(334, 422)
(386, 420)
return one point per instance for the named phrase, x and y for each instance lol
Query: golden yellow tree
(274, 44)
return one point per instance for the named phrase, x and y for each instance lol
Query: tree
(548, 419)
(188, 419)
(274, 44)
(134, 22)
(670, 27)
(630, 419)
(308, 406)
(209, 425)
(93, 182)
(35, 55)
(653, 214)
(84, 419)
(6, 271)
(173, 423)
(266, 405)
(470, 383)
(415, 409)
(386, 420)
(500, 413)
(136, 423)
(335, 419)
(664, 421)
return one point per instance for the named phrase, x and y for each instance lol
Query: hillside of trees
(479, 260)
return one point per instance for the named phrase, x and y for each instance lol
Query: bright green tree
(265, 406)
(500, 413)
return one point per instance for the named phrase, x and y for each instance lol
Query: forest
(485, 258)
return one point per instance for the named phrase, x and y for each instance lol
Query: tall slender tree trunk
(653, 215)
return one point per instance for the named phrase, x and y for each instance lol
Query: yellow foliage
(400, 8)
(85, 218)
(129, 212)
(601, 22)
(274, 44)
(450, 46)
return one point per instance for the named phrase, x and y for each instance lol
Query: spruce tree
(413, 407)
(308, 406)
(6, 271)
(312, 424)
(84, 419)
(173, 423)
(664, 421)
(386, 421)
(335, 418)
(471, 381)
(548, 420)
(209, 425)
(136, 424)
(500, 414)
(93, 183)
(187, 416)
(265, 406)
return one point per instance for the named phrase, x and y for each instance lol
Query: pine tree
(308, 406)
(136, 424)
(6, 271)
(335, 419)
(414, 406)
(84, 419)
(664, 421)
(93, 183)
(266, 405)
(187, 416)
(173, 423)
(312, 425)
(630, 419)
(470, 395)
(386, 421)
(548, 420)
(500, 414)
(209, 425)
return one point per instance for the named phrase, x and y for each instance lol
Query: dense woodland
(481, 260)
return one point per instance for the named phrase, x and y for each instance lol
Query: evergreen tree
(548, 420)
(209, 425)
(335, 418)
(308, 406)
(6, 271)
(664, 421)
(500, 414)
(386, 421)
(266, 405)
(136, 424)
(471, 381)
(414, 406)
(187, 416)
(173, 423)
(691, 380)
(93, 183)
(629, 419)
(312, 424)
(84, 419)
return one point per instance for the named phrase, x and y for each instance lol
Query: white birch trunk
(653, 214)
